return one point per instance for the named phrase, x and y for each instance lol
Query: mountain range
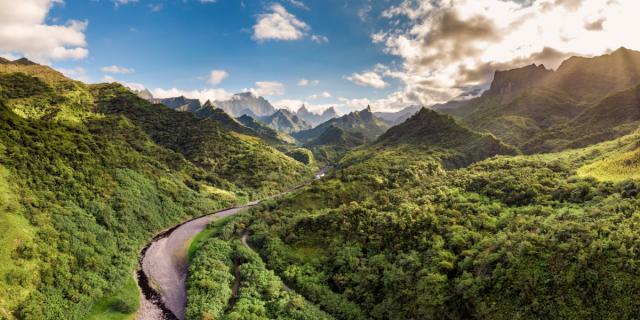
(246, 103)
(285, 121)
(315, 119)
(537, 109)
(398, 117)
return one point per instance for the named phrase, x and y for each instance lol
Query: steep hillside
(246, 103)
(178, 103)
(592, 79)
(209, 111)
(264, 131)
(89, 173)
(363, 123)
(431, 130)
(335, 142)
(615, 116)
(285, 121)
(242, 159)
(533, 103)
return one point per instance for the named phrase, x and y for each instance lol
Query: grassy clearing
(122, 305)
(616, 168)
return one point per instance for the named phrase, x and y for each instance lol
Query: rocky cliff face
(241, 102)
(315, 119)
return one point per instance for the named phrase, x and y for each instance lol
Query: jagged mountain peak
(208, 104)
(511, 82)
(331, 111)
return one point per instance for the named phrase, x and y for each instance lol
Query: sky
(349, 54)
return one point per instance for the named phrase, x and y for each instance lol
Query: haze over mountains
(532, 101)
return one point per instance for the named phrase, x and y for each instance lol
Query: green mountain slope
(267, 133)
(89, 173)
(243, 160)
(362, 123)
(400, 236)
(616, 115)
(209, 111)
(533, 103)
(428, 129)
(285, 121)
(335, 142)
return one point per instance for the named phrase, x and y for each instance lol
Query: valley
(375, 160)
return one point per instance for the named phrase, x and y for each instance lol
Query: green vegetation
(267, 133)
(257, 293)
(88, 174)
(585, 101)
(302, 155)
(229, 158)
(121, 305)
(397, 233)
(362, 122)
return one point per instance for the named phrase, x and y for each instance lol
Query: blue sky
(351, 53)
(176, 44)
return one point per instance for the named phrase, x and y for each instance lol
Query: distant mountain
(363, 122)
(240, 103)
(144, 94)
(180, 103)
(209, 111)
(398, 117)
(263, 130)
(285, 121)
(315, 119)
(432, 130)
(335, 142)
(528, 103)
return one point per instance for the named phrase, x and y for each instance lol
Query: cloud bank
(447, 48)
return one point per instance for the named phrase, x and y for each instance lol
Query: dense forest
(89, 173)
(400, 236)
(520, 203)
(462, 217)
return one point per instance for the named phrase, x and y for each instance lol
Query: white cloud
(325, 95)
(208, 1)
(217, 76)
(157, 7)
(117, 70)
(367, 79)
(123, 2)
(298, 4)
(268, 88)
(304, 82)
(130, 85)
(279, 24)
(364, 11)
(77, 73)
(202, 95)
(24, 32)
(449, 47)
(319, 39)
